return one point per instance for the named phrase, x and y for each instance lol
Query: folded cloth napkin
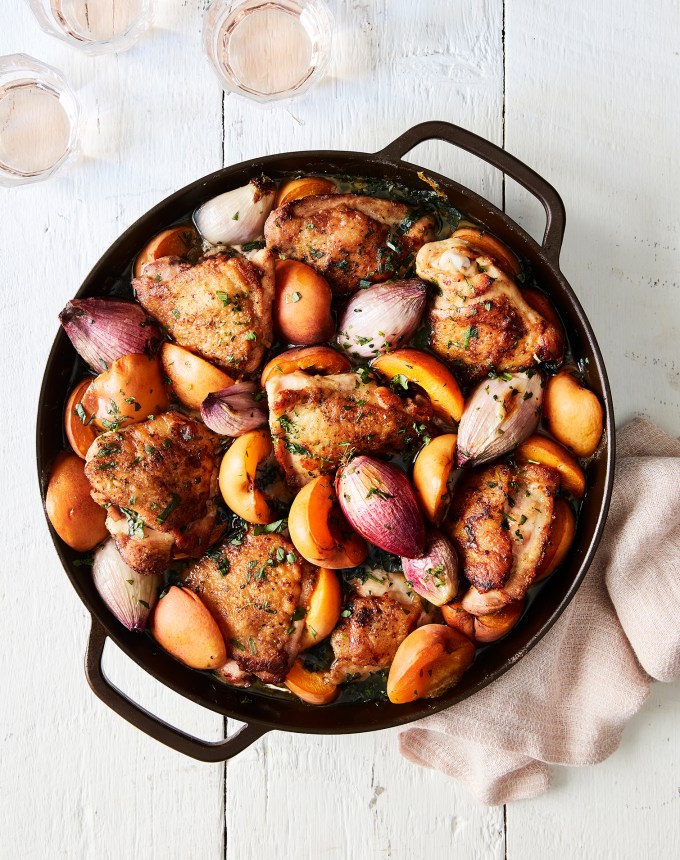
(568, 700)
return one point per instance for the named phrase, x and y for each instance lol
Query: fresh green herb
(376, 491)
(398, 381)
(135, 523)
(470, 333)
(252, 645)
(80, 412)
(223, 297)
(296, 296)
(294, 448)
(170, 507)
(271, 528)
(234, 217)
(252, 246)
(175, 313)
(251, 335)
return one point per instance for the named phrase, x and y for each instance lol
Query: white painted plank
(350, 797)
(75, 779)
(592, 91)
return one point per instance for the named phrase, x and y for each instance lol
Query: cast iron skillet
(262, 713)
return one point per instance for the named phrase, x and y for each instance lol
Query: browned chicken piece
(315, 421)
(479, 317)
(253, 590)
(348, 237)
(160, 479)
(500, 524)
(220, 308)
(383, 611)
(477, 526)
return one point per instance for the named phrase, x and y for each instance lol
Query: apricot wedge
(127, 393)
(312, 687)
(494, 625)
(323, 610)
(431, 375)
(431, 472)
(539, 302)
(175, 242)
(429, 661)
(459, 618)
(182, 624)
(75, 517)
(306, 186)
(547, 452)
(319, 530)
(483, 242)
(77, 423)
(573, 412)
(561, 538)
(238, 472)
(192, 377)
(311, 359)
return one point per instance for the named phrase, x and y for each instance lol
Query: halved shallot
(434, 575)
(382, 317)
(234, 411)
(129, 595)
(380, 503)
(237, 216)
(499, 414)
(102, 330)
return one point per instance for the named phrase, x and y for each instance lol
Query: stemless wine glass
(268, 50)
(94, 26)
(38, 120)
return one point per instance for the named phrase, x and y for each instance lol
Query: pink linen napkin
(568, 700)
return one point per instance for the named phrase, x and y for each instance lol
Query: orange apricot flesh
(302, 304)
(75, 517)
(574, 413)
(324, 608)
(561, 538)
(312, 687)
(307, 186)
(431, 375)
(193, 378)
(80, 434)
(319, 531)
(127, 393)
(431, 472)
(310, 359)
(548, 452)
(238, 471)
(429, 661)
(174, 242)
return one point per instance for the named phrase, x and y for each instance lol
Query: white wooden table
(588, 94)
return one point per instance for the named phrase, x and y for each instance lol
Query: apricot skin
(302, 304)
(574, 414)
(184, 627)
(75, 517)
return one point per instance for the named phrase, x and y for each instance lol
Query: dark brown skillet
(260, 712)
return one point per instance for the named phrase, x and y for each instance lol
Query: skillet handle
(153, 726)
(494, 155)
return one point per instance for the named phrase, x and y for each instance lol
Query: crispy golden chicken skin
(317, 420)
(160, 479)
(348, 237)
(383, 611)
(253, 590)
(220, 308)
(500, 525)
(478, 316)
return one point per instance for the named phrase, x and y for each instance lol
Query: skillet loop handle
(151, 725)
(494, 155)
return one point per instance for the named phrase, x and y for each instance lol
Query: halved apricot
(182, 624)
(319, 530)
(302, 304)
(483, 242)
(431, 472)
(573, 412)
(458, 618)
(312, 687)
(75, 517)
(77, 423)
(193, 378)
(547, 452)
(238, 471)
(431, 375)
(127, 393)
(310, 359)
(495, 625)
(429, 661)
(324, 608)
(539, 302)
(562, 534)
(175, 242)
(307, 186)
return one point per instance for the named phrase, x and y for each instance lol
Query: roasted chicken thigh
(479, 317)
(220, 308)
(317, 420)
(253, 589)
(383, 610)
(348, 237)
